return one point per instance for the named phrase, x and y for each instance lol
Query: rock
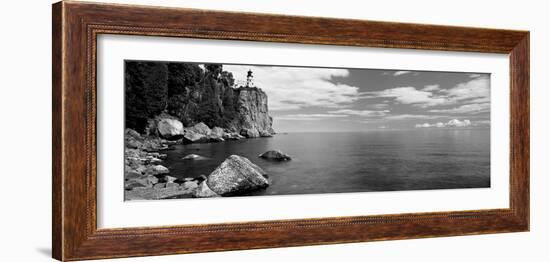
(152, 179)
(131, 174)
(190, 185)
(171, 184)
(217, 131)
(193, 157)
(170, 128)
(159, 185)
(169, 179)
(214, 138)
(236, 175)
(275, 155)
(204, 191)
(133, 183)
(264, 133)
(142, 193)
(158, 155)
(252, 112)
(188, 179)
(232, 136)
(156, 170)
(132, 133)
(152, 160)
(132, 143)
(191, 137)
(249, 133)
(201, 129)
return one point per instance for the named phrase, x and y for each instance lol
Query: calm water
(354, 162)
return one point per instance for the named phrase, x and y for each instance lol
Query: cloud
(411, 116)
(475, 91)
(476, 88)
(378, 106)
(410, 95)
(310, 116)
(465, 109)
(450, 124)
(430, 88)
(398, 73)
(291, 88)
(364, 113)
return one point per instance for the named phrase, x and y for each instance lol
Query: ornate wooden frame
(76, 26)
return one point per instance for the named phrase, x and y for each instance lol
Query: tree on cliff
(146, 92)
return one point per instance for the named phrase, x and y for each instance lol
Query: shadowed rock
(235, 176)
(275, 155)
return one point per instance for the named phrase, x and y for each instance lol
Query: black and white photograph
(198, 130)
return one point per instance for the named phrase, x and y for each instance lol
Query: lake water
(354, 162)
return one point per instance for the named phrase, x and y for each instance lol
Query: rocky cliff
(193, 94)
(252, 118)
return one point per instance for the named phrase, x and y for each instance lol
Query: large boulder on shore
(200, 128)
(236, 176)
(275, 155)
(191, 137)
(249, 132)
(170, 128)
(217, 131)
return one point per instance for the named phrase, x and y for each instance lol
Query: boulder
(200, 128)
(236, 176)
(275, 155)
(204, 191)
(156, 170)
(170, 128)
(191, 137)
(249, 133)
(217, 131)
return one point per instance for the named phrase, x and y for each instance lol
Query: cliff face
(194, 95)
(252, 118)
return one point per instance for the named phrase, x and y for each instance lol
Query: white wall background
(25, 86)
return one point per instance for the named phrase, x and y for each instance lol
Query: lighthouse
(249, 79)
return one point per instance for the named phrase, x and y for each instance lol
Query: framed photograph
(192, 131)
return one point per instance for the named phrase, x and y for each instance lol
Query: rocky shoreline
(147, 179)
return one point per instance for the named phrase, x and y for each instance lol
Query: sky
(312, 99)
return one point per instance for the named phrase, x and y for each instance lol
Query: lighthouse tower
(249, 79)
